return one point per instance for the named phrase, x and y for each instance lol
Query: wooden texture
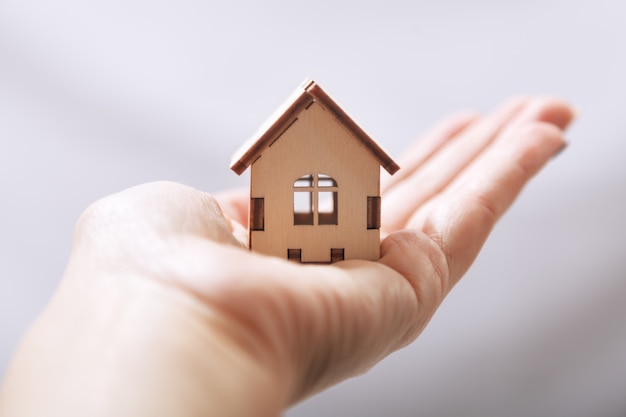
(383, 158)
(316, 144)
(312, 151)
(286, 114)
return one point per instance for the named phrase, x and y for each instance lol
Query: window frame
(315, 184)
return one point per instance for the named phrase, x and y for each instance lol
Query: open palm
(159, 271)
(438, 210)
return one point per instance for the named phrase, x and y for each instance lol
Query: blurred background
(97, 96)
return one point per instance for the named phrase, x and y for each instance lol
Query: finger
(234, 204)
(416, 257)
(441, 168)
(444, 131)
(460, 220)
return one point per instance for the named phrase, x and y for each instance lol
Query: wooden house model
(314, 182)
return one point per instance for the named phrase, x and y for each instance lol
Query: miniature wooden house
(314, 182)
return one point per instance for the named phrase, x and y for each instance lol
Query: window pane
(325, 181)
(302, 207)
(327, 207)
(303, 202)
(305, 181)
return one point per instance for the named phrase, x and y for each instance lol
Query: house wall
(316, 143)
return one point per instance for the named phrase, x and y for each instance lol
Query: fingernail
(574, 116)
(560, 150)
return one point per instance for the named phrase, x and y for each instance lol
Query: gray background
(96, 96)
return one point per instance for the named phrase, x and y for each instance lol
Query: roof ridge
(308, 92)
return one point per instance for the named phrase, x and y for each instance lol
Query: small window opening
(373, 212)
(294, 255)
(304, 182)
(325, 181)
(257, 214)
(302, 207)
(337, 254)
(327, 207)
(315, 200)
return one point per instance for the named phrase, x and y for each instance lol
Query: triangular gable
(280, 121)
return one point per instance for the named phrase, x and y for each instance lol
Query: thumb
(157, 210)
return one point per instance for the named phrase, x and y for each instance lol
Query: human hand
(162, 312)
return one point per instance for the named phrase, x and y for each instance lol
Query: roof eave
(257, 143)
(323, 98)
(282, 118)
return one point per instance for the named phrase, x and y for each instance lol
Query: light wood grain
(313, 136)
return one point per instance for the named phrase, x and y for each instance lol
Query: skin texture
(162, 311)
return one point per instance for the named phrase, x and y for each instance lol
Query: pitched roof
(307, 93)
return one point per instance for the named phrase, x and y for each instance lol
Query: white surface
(98, 96)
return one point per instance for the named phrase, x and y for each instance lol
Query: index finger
(234, 204)
(460, 219)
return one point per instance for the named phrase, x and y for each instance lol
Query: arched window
(315, 200)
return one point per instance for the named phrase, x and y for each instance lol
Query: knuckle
(424, 264)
